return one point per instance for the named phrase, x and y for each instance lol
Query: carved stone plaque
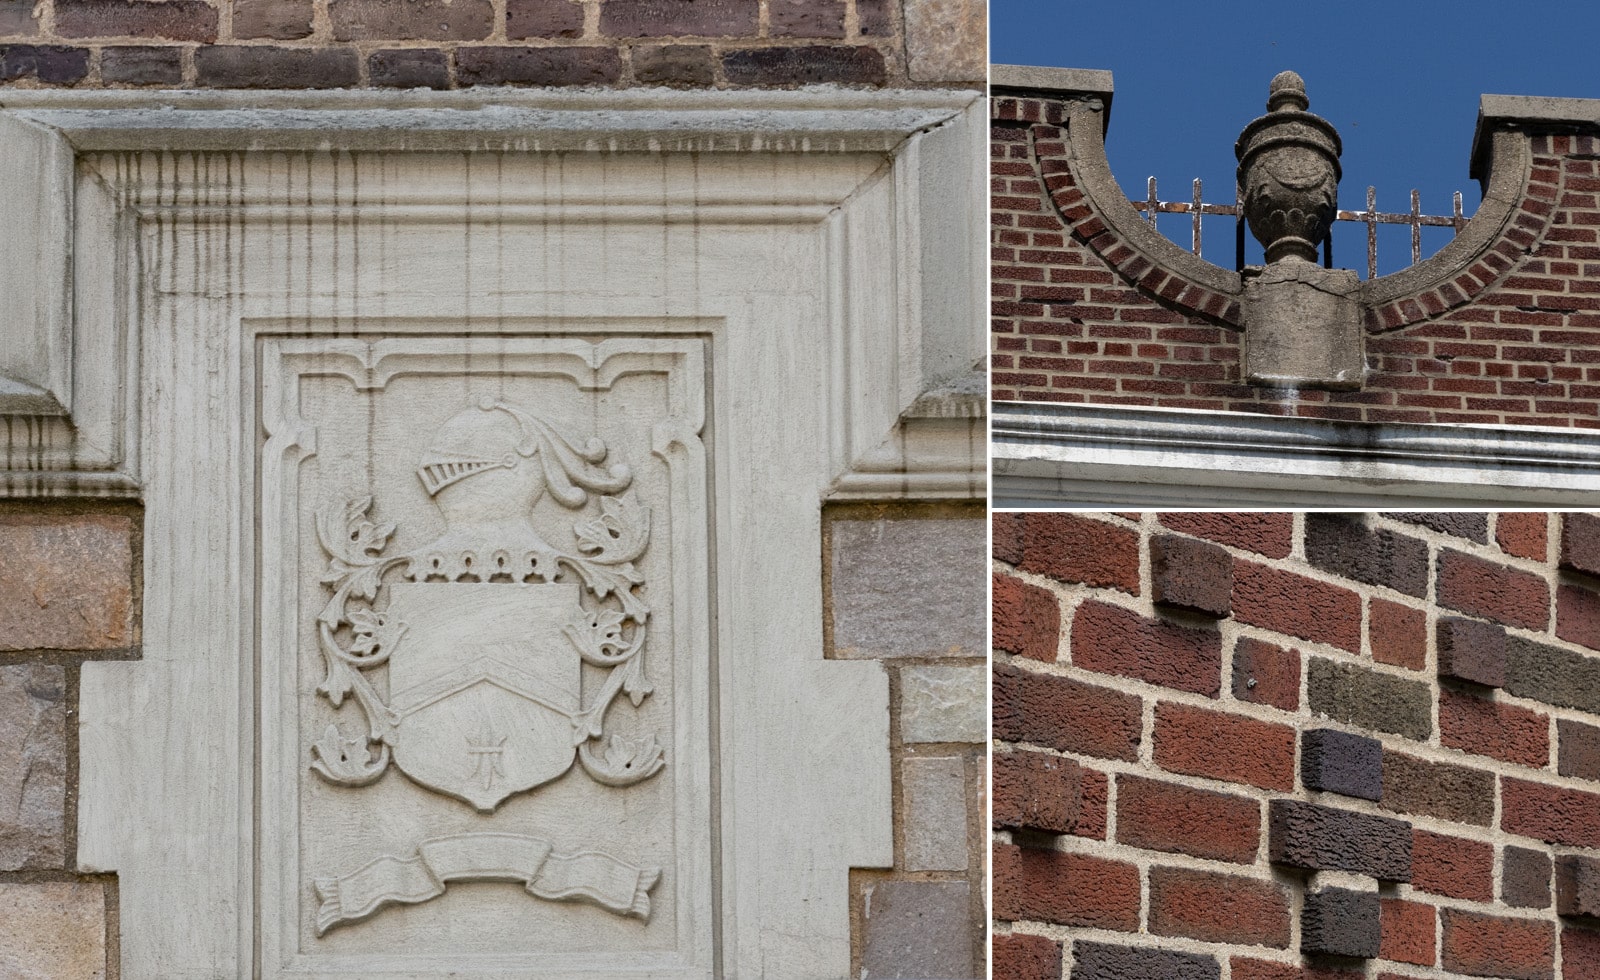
(485, 655)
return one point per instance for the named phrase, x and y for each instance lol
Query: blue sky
(1400, 80)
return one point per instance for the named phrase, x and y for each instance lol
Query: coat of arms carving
(485, 631)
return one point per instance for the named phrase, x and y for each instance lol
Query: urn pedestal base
(1302, 327)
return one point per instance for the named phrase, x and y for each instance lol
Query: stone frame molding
(87, 385)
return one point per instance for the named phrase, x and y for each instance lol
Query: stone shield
(484, 686)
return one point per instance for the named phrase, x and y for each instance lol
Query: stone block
(947, 40)
(918, 930)
(1321, 838)
(52, 930)
(909, 588)
(66, 582)
(1578, 886)
(33, 754)
(1302, 327)
(1192, 575)
(1470, 650)
(1340, 922)
(1338, 762)
(935, 813)
(942, 704)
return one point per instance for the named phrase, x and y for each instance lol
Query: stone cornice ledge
(1183, 457)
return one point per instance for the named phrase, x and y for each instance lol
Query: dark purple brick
(679, 18)
(1580, 543)
(176, 20)
(1344, 545)
(806, 18)
(1525, 882)
(1340, 922)
(280, 20)
(1578, 886)
(1578, 751)
(409, 68)
(589, 65)
(807, 65)
(266, 66)
(1101, 961)
(1322, 838)
(1339, 762)
(139, 65)
(52, 64)
(413, 20)
(1471, 525)
(1471, 650)
(543, 18)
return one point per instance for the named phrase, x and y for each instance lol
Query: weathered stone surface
(65, 582)
(1369, 699)
(1303, 327)
(33, 753)
(918, 930)
(935, 814)
(909, 588)
(1321, 838)
(946, 40)
(1339, 762)
(52, 931)
(1340, 922)
(942, 704)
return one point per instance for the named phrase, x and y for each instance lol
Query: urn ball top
(1287, 91)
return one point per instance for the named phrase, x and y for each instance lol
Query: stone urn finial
(1289, 173)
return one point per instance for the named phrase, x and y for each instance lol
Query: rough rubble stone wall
(68, 588)
(1296, 746)
(905, 587)
(460, 43)
(1514, 339)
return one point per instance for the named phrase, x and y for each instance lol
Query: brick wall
(67, 594)
(904, 586)
(1296, 746)
(459, 43)
(1080, 317)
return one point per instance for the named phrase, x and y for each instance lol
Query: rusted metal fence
(1197, 209)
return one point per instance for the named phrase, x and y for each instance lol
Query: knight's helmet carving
(494, 461)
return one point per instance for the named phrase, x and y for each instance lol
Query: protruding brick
(1114, 640)
(268, 66)
(1471, 525)
(1409, 931)
(1067, 889)
(176, 20)
(1578, 886)
(544, 18)
(1340, 922)
(1397, 634)
(141, 65)
(1322, 838)
(1578, 749)
(1552, 814)
(577, 65)
(1452, 866)
(1483, 588)
(1100, 961)
(1297, 605)
(1264, 673)
(678, 65)
(1344, 545)
(1491, 946)
(1491, 728)
(1218, 908)
(1071, 548)
(1065, 715)
(1525, 878)
(1437, 789)
(1027, 619)
(810, 64)
(1230, 747)
(1471, 650)
(1162, 816)
(1192, 575)
(1006, 533)
(1023, 957)
(77, 592)
(1580, 543)
(1578, 615)
(1035, 791)
(1523, 535)
(280, 20)
(1339, 762)
(1369, 699)
(1552, 674)
(1265, 533)
(409, 68)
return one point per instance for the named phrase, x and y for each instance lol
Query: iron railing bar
(1155, 204)
(1199, 211)
(1416, 227)
(1372, 232)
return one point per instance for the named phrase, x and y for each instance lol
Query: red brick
(1114, 640)
(806, 18)
(1294, 604)
(1197, 742)
(1092, 811)
(1065, 715)
(1580, 953)
(1578, 749)
(1035, 791)
(1264, 533)
(1397, 634)
(1023, 957)
(1578, 615)
(1492, 591)
(1161, 816)
(1077, 549)
(1501, 731)
(1490, 946)
(678, 18)
(1550, 813)
(66, 582)
(1408, 931)
(1006, 537)
(1523, 535)
(544, 18)
(1066, 889)
(1266, 674)
(1452, 867)
(1580, 543)
(1218, 908)
(1190, 575)
(810, 64)
(1027, 619)
(578, 65)
(176, 20)
(280, 20)
(1244, 969)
